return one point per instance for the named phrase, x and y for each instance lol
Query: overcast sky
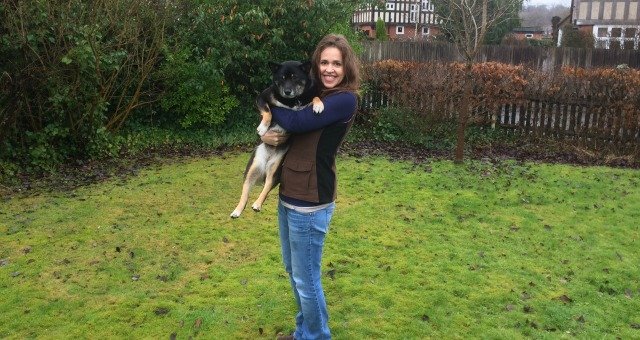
(566, 3)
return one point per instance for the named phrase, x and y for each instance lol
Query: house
(615, 24)
(404, 19)
(558, 24)
(524, 33)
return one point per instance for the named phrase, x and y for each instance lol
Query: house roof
(531, 29)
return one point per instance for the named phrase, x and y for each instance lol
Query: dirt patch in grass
(550, 153)
(81, 173)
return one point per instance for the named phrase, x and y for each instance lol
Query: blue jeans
(302, 239)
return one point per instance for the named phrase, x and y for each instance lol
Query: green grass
(483, 250)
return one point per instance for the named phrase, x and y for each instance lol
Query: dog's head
(290, 77)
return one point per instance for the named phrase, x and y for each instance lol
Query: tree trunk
(464, 114)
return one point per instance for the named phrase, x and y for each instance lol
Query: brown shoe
(285, 337)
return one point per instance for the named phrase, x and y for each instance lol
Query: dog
(292, 88)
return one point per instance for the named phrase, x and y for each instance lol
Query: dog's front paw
(318, 106)
(235, 214)
(262, 129)
(256, 207)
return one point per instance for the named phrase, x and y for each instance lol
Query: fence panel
(543, 58)
(580, 123)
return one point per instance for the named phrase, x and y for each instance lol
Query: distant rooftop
(531, 29)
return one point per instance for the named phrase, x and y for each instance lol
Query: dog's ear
(306, 66)
(274, 66)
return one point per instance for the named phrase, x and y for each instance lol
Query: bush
(397, 124)
(433, 89)
(381, 30)
(573, 37)
(85, 68)
(196, 93)
(402, 99)
(74, 73)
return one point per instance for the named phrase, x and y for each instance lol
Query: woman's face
(331, 67)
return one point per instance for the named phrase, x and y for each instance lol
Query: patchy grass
(484, 250)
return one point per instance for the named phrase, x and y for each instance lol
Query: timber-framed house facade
(615, 24)
(404, 19)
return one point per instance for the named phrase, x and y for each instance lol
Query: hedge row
(433, 88)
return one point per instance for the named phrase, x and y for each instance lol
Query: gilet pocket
(296, 176)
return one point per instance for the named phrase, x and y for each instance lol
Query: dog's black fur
(292, 88)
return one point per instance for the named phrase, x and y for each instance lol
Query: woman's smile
(331, 67)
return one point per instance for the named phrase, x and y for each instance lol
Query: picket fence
(586, 124)
(540, 58)
(581, 123)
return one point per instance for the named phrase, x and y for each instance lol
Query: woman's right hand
(274, 138)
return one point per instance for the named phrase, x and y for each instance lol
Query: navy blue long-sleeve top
(338, 107)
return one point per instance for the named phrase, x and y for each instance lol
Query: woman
(308, 181)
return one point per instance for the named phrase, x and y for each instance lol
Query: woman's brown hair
(351, 81)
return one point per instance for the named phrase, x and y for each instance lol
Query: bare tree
(466, 23)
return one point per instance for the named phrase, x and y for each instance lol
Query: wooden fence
(541, 58)
(584, 124)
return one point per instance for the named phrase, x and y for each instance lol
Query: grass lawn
(484, 250)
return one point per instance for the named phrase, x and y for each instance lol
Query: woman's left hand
(274, 138)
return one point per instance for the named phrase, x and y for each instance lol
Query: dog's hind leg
(253, 173)
(269, 182)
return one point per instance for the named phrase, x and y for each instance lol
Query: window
(391, 6)
(399, 29)
(528, 35)
(427, 6)
(615, 38)
(630, 33)
(628, 44)
(616, 32)
(425, 30)
(602, 32)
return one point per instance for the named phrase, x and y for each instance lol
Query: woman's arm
(338, 107)
(274, 138)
